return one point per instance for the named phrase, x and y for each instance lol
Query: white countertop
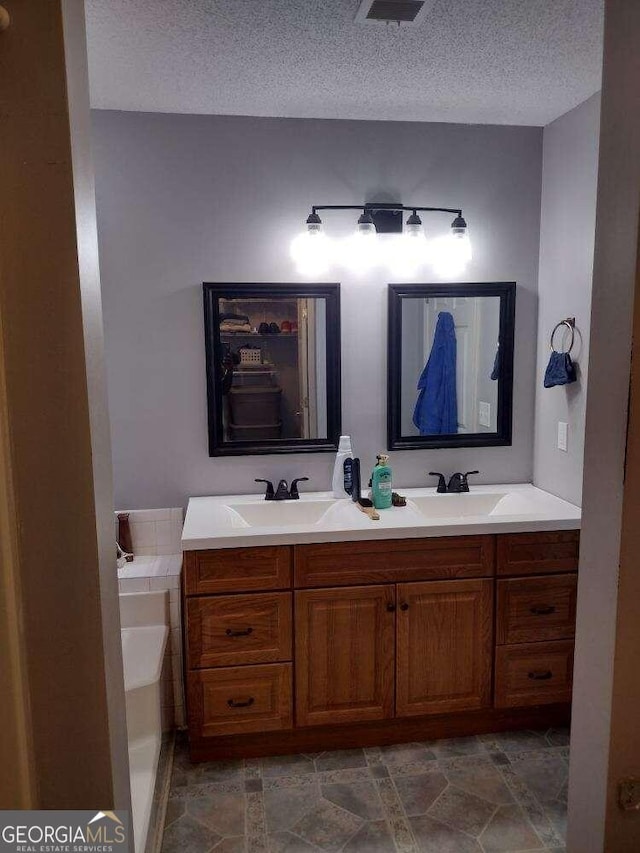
(233, 521)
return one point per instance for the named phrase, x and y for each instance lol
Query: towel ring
(570, 323)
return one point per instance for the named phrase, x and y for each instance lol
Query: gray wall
(567, 231)
(183, 199)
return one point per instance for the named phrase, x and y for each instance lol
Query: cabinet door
(445, 639)
(345, 642)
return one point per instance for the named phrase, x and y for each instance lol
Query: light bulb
(451, 254)
(409, 250)
(460, 238)
(311, 250)
(360, 251)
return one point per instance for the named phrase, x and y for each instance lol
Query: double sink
(242, 520)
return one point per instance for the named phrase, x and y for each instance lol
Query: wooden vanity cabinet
(314, 647)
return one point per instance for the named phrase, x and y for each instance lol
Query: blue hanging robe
(436, 410)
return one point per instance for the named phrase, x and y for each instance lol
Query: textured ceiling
(476, 61)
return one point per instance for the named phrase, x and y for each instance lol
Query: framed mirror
(450, 365)
(273, 367)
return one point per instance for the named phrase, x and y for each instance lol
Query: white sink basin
(280, 513)
(456, 506)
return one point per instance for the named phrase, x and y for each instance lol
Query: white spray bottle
(344, 452)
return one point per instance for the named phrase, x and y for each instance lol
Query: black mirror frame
(506, 290)
(211, 294)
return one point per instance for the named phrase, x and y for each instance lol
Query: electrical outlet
(563, 435)
(484, 414)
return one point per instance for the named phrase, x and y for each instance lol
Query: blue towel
(560, 370)
(436, 410)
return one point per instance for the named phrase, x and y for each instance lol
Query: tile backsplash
(155, 532)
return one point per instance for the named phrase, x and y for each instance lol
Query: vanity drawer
(238, 700)
(531, 610)
(538, 553)
(237, 629)
(391, 560)
(533, 674)
(237, 570)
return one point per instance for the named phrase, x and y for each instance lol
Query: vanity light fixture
(380, 239)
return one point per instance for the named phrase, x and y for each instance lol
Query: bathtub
(144, 621)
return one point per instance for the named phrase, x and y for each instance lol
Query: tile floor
(496, 793)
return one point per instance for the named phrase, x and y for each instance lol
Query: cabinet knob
(404, 606)
(233, 703)
(391, 607)
(245, 633)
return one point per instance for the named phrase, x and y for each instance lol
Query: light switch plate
(563, 435)
(484, 414)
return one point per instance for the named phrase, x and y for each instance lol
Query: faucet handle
(293, 491)
(269, 494)
(465, 483)
(442, 483)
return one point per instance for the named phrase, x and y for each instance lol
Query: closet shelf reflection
(271, 336)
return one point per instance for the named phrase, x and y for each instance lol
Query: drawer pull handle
(545, 675)
(391, 607)
(232, 703)
(246, 633)
(404, 606)
(542, 609)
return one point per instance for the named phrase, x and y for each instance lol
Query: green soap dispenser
(381, 492)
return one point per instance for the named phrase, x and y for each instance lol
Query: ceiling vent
(393, 11)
